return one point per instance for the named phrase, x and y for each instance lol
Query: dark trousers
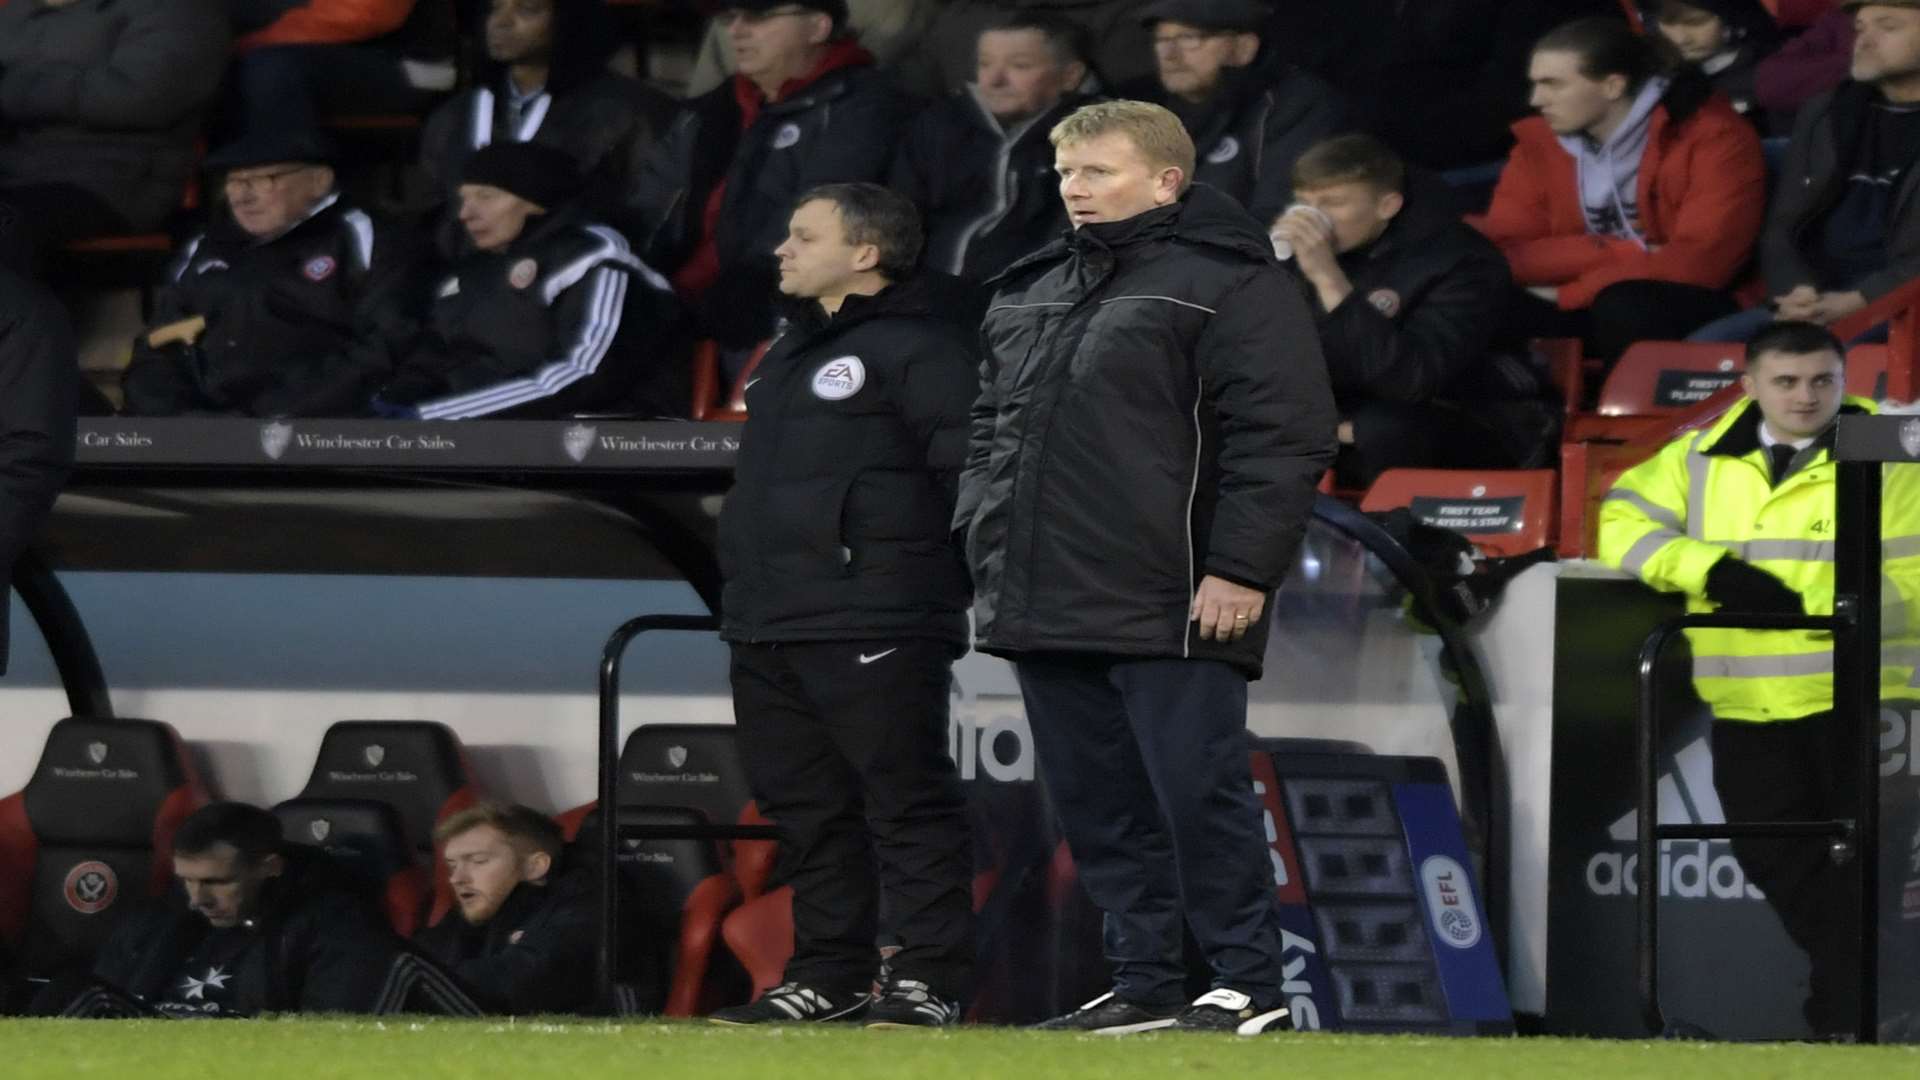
(845, 747)
(1799, 770)
(1418, 435)
(36, 219)
(1146, 764)
(295, 87)
(1621, 314)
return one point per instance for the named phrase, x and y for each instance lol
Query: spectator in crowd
(845, 605)
(1440, 80)
(889, 29)
(257, 926)
(546, 81)
(1250, 119)
(99, 106)
(1843, 229)
(291, 303)
(547, 313)
(296, 63)
(1732, 517)
(945, 59)
(1407, 296)
(1153, 419)
(41, 374)
(1725, 40)
(1630, 202)
(524, 936)
(978, 164)
(807, 108)
(1812, 63)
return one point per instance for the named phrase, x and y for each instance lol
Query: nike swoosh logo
(865, 659)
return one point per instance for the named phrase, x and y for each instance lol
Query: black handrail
(66, 636)
(609, 752)
(1647, 801)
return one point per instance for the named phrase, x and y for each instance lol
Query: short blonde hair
(527, 829)
(1158, 134)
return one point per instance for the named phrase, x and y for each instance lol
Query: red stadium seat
(91, 830)
(1867, 371)
(1503, 512)
(1656, 380)
(688, 773)
(760, 935)
(417, 767)
(707, 403)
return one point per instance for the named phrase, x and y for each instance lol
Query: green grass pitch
(402, 1049)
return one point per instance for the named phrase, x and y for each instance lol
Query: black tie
(1780, 455)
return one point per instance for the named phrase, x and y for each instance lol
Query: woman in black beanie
(547, 313)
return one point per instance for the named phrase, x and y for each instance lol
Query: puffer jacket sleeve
(1266, 381)
(1643, 524)
(163, 66)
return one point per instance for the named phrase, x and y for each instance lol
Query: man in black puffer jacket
(1154, 417)
(524, 937)
(266, 927)
(845, 604)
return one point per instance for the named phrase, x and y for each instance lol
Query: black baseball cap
(1247, 16)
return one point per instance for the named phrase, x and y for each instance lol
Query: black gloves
(1740, 587)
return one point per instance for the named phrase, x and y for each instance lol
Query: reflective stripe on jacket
(1709, 494)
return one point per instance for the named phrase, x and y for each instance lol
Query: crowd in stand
(571, 232)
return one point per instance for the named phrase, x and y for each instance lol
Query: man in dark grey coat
(100, 101)
(1154, 415)
(39, 379)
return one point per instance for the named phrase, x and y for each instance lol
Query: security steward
(546, 313)
(845, 603)
(291, 303)
(1740, 518)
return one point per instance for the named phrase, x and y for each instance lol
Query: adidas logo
(1689, 869)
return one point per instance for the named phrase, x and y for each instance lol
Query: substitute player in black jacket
(265, 927)
(1153, 419)
(292, 303)
(546, 313)
(845, 604)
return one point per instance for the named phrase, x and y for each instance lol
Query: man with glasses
(289, 304)
(807, 107)
(1250, 117)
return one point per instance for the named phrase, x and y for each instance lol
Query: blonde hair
(527, 829)
(1158, 134)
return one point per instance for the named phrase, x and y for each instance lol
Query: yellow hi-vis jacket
(1709, 494)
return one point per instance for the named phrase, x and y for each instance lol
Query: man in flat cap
(289, 304)
(1251, 116)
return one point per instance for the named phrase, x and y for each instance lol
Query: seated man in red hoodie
(807, 108)
(1631, 203)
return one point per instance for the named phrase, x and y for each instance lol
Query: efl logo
(1450, 901)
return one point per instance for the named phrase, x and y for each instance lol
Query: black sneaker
(791, 1003)
(906, 1003)
(1221, 1009)
(1108, 1015)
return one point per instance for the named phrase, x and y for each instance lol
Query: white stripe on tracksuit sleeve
(606, 300)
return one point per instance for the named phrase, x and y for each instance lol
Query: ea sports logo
(90, 887)
(838, 380)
